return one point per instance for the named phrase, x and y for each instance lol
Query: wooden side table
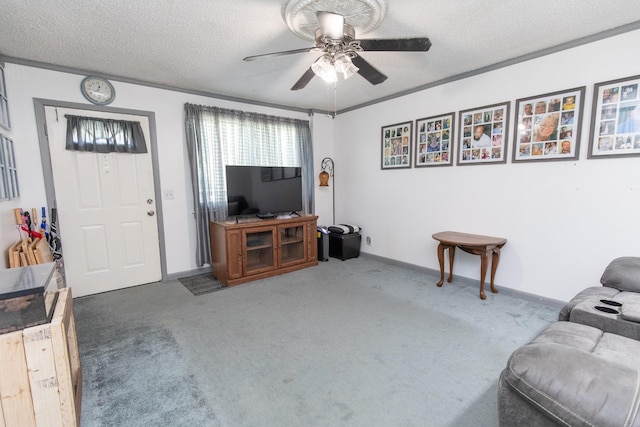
(474, 244)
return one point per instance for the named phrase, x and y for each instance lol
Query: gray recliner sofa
(583, 370)
(614, 306)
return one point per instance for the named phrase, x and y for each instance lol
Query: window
(4, 104)
(9, 188)
(104, 135)
(217, 137)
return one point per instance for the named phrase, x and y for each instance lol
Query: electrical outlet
(168, 194)
(368, 239)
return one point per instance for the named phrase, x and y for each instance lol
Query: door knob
(151, 213)
(149, 201)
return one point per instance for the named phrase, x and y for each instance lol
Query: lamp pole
(327, 166)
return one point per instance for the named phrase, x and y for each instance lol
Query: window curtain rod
(246, 114)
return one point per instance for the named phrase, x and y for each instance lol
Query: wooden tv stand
(260, 248)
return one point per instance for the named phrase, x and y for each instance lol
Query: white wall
(26, 83)
(564, 221)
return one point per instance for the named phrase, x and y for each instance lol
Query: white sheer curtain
(217, 137)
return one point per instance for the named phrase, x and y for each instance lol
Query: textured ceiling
(199, 45)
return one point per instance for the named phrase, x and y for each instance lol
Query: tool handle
(18, 213)
(27, 219)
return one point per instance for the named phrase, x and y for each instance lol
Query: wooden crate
(40, 374)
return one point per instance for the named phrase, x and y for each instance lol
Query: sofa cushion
(576, 375)
(623, 274)
(630, 312)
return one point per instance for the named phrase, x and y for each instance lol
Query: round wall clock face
(97, 90)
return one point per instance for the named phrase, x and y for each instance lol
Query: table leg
(484, 261)
(452, 255)
(495, 259)
(441, 262)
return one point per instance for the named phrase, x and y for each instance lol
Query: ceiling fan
(341, 51)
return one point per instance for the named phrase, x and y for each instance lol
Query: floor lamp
(327, 172)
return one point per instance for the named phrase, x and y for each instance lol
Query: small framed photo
(396, 145)
(615, 120)
(483, 135)
(289, 172)
(265, 174)
(276, 174)
(548, 126)
(434, 141)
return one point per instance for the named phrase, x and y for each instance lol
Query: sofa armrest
(587, 294)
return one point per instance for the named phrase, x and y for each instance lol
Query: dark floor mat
(202, 284)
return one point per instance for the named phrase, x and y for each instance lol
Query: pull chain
(335, 99)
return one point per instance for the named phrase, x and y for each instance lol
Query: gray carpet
(139, 377)
(353, 343)
(201, 284)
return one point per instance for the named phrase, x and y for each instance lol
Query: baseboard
(472, 282)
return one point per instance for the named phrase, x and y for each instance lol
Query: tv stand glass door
(260, 253)
(292, 243)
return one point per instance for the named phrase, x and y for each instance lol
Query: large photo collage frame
(434, 140)
(615, 120)
(396, 145)
(547, 127)
(483, 135)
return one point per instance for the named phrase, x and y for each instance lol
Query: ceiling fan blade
(274, 54)
(367, 71)
(331, 24)
(418, 44)
(306, 78)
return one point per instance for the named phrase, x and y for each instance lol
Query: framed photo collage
(546, 128)
(483, 133)
(615, 121)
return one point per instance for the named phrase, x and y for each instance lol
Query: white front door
(106, 210)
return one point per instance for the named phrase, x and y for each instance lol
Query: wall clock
(97, 90)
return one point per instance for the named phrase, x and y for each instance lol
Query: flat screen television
(263, 191)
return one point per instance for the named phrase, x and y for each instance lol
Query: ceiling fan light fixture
(325, 69)
(344, 65)
(335, 36)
